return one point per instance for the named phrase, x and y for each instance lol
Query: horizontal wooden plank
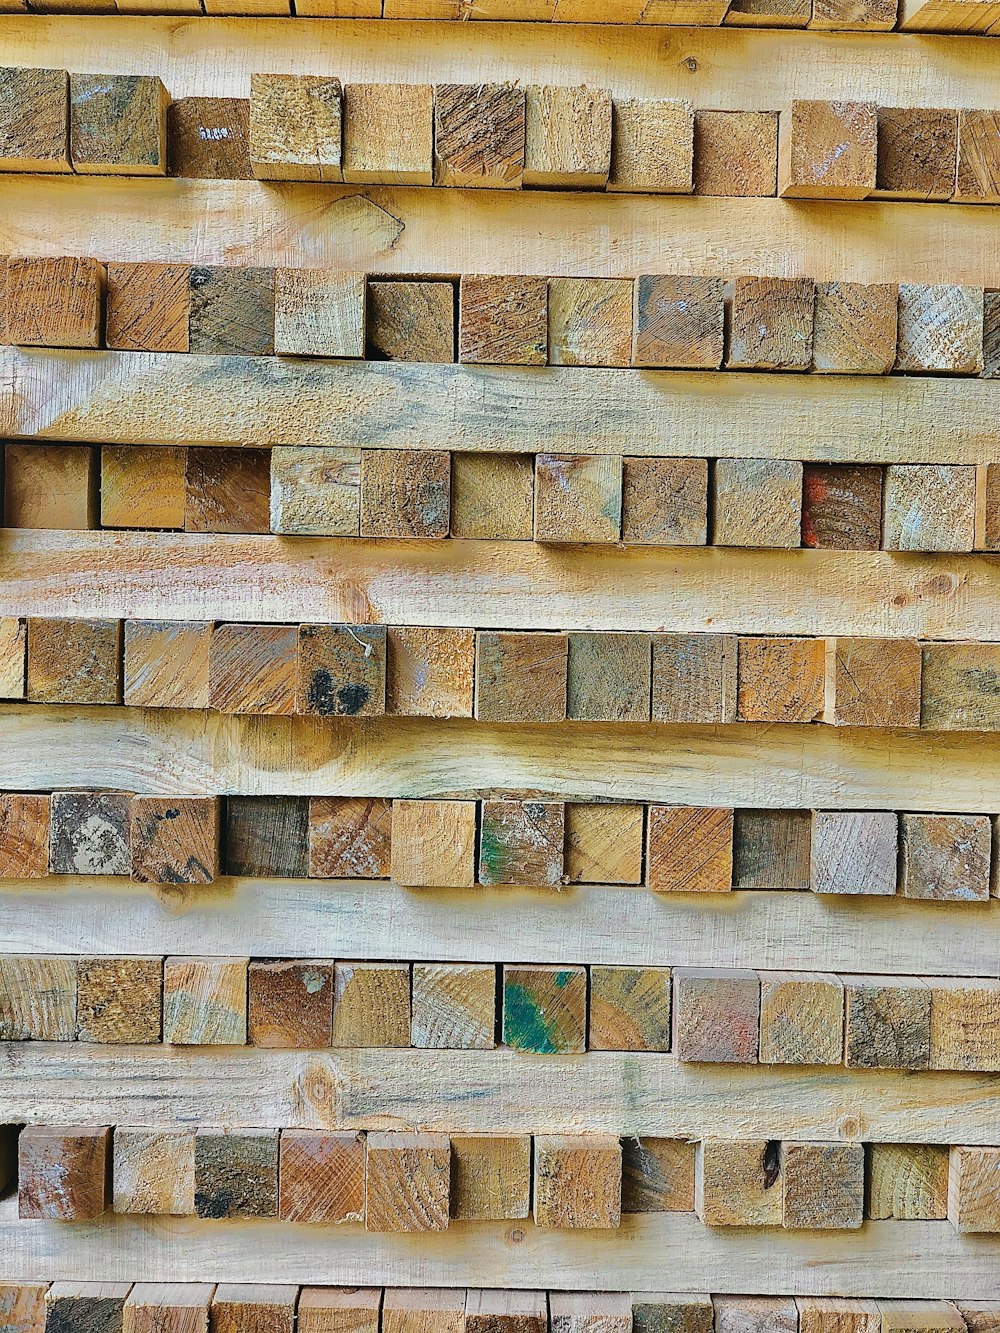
(382, 230)
(498, 585)
(357, 919)
(143, 397)
(483, 1092)
(169, 753)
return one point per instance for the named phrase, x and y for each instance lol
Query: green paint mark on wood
(525, 1027)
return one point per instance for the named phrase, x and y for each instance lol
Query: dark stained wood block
(479, 135)
(208, 138)
(236, 1173)
(118, 124)
(917, 153)
(119, 1000)
(657, 1175)
(290, 1004)
(322, 1177)
(405, 493)
(411, 321)
(62, 1172)
(175, 840)
(267, 836)
(85, 1307)
(888, 1022)
(90, 833)
(959, 687)
(608, 677)
(232, 311)
(74, 661)
(771, 849)
(503, 320)
(842, 506)
(349, 837)
(521, 676)
(341, 670)
(227, 490)
(522, 843)
(545, 1009)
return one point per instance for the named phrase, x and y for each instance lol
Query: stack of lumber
(499, 666)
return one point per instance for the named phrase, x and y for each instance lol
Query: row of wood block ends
(81, 1307)
(429, 494)
(702, 1014)
(497, 136)
(503, 842)
(500, 676)
(399, 1181)
(671, 321)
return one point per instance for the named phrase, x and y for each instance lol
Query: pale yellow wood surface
(162, 398)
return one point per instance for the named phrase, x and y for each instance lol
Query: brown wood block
(988, 475)
(629, 1008)
(679, 322)
(227, 490)
(341, 671)
(768, 14)
(604, 843)
(166, 662)
(454, 1006)
(958, 687)
(430, 671)
(423, 1309)
(13, 656)
(495, 1311)
(771, 849)
(827, 150)
(915, 1316)
(522, 843)
(940, 329)
(521, 676)
(860, 16)
(716, 1015)
(492, 496)
(411, 321)
(434, 844)
(62, 1172)
(503, 320)
(168, 1307)
(917, 153)
(888, 1024)
(295, 127)
(824, 1185)
(771, 327)
(568, 137)
(479, 135)
(315, 491)
(37, 998)
(208, 138)
(24, 835)
(608, 677)
(143, 487)
(652, 145)
(945, 857)
(578, 1181)
(251, 669)
(490, 1177)
(407, 1182)
(34, 120)
(55, 302)
(175, 840)
(781, 680)
(664, 501)
(267, 836)
(154, 1174)
(119, 1000)
(978, 176)
(758, 502)
(979, 1316)
(371, 1005)
(232, 311)
(50, 486)
(854, 851)
(89, 833)
(736, 153)
(319, 312)
(841, 506)
(85, 1307)
(118, 124)
(389, 133)
(876, 683)
(689, 849)
(349, 837)
(854, 332)
(965, 1024)
(339, 1309)
(148, 308)
(907, 1182)
(665, 1312)
(290, 1004)
(22, 1306)
(205, 1001)
(590, 1312)
(801, 1018)
(321, 1177)
(694, 678)
(253, 1308)
(236, 1173)
(974, 1189)
(590, 322)
(738, 1184)
(545, 1009)
(755, 1314)
(929, 507)
(657, 1175)
(405, 493)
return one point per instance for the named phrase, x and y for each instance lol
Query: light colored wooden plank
(158, 398)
